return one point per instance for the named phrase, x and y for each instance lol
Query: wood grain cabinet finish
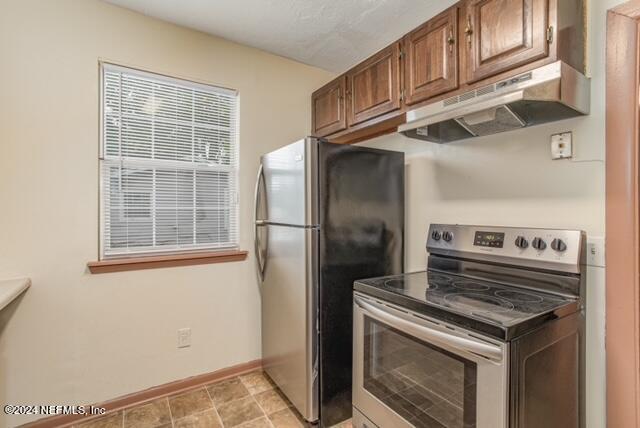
(328, 108)
(374, 86)
(503, 34)
(431, 58)
(470, 45)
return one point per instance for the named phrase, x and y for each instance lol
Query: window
(169, 163)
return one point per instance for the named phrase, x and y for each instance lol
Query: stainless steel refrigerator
(325, 215)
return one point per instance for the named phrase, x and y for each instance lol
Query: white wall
(509, 179)
(77, 338)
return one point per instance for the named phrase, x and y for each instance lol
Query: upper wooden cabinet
(373, 87)
(431, 64)
(473, 44)
(504, 34)
(328, 108)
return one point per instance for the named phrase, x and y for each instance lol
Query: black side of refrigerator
(361, 206)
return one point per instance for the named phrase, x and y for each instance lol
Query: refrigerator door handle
(261, 259)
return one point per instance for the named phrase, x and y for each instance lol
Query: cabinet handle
(451, 40)
(468, 30)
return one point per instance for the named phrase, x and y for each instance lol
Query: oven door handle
(447, 340)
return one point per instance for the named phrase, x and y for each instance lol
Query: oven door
(410, 370)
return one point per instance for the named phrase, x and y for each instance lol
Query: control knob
(538, 244)
(435, 235)
(447, 236)
(558, 245)
(521, 242)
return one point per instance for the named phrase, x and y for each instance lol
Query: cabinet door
(431, 66)
(328, 108)
(374, 86)
(504, 34)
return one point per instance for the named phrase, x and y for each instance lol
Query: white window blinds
(168, 164)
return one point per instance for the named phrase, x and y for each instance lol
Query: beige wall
(77, 338)
(509, 179)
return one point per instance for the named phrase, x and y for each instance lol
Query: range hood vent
(546, 94)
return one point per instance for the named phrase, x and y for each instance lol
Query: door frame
(622, 216)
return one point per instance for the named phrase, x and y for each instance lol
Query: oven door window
(425, 385)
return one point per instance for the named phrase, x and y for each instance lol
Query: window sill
(170, 260)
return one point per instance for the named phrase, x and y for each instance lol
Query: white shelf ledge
(10, 289)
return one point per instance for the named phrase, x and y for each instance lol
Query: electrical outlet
(561, 146)
(184, 337)
(595, 251)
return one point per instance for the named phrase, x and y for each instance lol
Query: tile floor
(247, 401)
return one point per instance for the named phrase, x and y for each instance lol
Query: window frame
(207, 252)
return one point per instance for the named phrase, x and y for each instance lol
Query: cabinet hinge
(401, 55)
(550, 34)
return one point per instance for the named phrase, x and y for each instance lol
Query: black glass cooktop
(503, 311)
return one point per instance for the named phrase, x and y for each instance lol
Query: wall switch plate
(562, 146)
(184, 337)
(595, 251)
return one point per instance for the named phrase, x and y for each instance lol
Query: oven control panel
(550, 249)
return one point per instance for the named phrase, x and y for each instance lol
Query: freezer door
(289, 314)
(291, 183)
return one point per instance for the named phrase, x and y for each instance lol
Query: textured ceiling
(330, 34)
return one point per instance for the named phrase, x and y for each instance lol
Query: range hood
(553, 92)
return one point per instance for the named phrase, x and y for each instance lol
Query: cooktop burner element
(519, 296)
(470, 286)
(434, 278)
(478, 303)
(393, 283)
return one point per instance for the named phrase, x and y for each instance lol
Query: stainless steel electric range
(490, 336)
